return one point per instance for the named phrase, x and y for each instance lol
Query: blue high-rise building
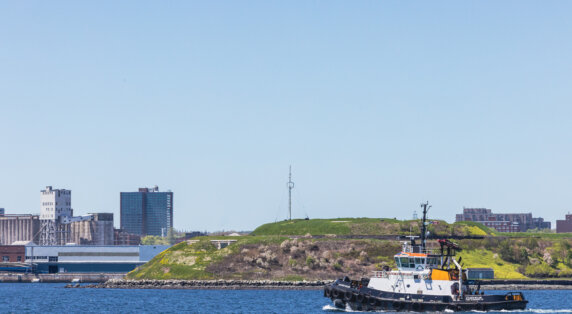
(147, 212)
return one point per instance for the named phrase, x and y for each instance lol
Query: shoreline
(291, 285)
(111, 281)
(208, 284)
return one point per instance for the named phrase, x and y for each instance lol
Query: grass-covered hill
(269, 257)
(369, 226)
(289, 251)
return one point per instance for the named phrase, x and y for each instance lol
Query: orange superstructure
(439, 274)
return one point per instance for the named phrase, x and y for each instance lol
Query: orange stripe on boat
(415, 254)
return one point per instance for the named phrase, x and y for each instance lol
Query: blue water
(53, 298)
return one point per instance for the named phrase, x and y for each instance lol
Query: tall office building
(146, 212)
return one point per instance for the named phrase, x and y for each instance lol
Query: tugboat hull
(365, 299)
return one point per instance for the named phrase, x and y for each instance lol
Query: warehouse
(82, 259)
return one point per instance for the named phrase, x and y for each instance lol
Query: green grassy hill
(286, 250)
(369, 226)
(190, 261)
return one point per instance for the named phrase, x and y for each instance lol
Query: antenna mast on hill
(290, 187)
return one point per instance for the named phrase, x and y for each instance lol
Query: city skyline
(378, 106)
(170, 214)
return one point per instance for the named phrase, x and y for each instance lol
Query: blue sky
(378, 106)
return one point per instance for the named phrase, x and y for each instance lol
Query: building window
(19, 258)
(5, 259)
(53, 259)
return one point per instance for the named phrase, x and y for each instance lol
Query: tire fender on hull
(348, 296)
(335, 293)
(372, 301)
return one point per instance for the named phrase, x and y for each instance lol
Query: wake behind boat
(425, 280)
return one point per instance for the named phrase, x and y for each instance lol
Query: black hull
(365, 299)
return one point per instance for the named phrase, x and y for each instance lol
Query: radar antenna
(425, 207)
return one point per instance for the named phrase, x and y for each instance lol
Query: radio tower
(290, 187)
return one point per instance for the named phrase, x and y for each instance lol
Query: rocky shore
(206, 284)
(298, 285)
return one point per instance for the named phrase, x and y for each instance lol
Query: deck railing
(417, 249)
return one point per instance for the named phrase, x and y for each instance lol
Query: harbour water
(54, 298)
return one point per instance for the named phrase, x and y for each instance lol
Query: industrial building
(564, 225)
(519, 222)
(19, 228)
(13, 257)
(146, 212)
(55, 209)
(58, 225)
(121, 237)
(13, 253)
(86, 259)
(93, 229)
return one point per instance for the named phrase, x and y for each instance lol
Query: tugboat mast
(425, 207)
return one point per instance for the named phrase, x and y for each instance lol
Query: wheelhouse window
(415, 262)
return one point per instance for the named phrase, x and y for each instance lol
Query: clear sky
(377, 105)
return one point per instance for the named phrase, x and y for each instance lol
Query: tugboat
(425, 280)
